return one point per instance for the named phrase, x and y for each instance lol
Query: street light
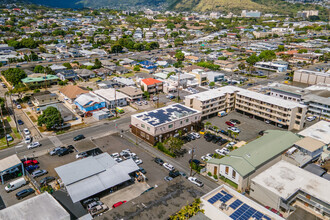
(191, 151)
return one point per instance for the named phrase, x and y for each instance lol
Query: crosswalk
(55, 141)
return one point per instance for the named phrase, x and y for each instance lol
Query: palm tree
(207, 124)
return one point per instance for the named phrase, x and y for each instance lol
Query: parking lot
(249, 127)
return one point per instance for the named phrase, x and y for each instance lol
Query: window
(187, 120)
(170, 126)
(180, 122)
(148, 128)
(234, 174)
(227, 170)
(143, 126)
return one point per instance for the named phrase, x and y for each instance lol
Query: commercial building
(40, 80)
(227, 204)
(9, 163)
(317, 105)
(112, 97)
(278, 66)
(319, 131)
(159, 124)
(311, 77)
(242, 164)
(39, 207)
(284, 186)
(274, 110)
(89, 176)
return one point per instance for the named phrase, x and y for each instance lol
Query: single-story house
(71, 92)
(89, 102)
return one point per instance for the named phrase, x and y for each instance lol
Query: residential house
(85, 73)
(112, 97)
(40, 80)
(246, 162)
(89, 102)
(133, 93)
(43, 100)
(71, 92)
(227, 65)
(67, 75)
(152, 85)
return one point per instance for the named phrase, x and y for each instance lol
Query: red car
(274, 210)
(229, 123)
(118, 204)
(30, 162)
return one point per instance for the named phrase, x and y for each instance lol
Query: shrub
(160, 146)
(215, 176)
(209, 173)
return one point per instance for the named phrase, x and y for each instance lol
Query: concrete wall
(264, 196)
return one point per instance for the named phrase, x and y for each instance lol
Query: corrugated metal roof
(97, 174)
(9, 162)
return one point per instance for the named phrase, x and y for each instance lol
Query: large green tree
(51, 118)
(174, 144)
(179, 56)
(267, 55)
(14, 75)
(252, 59)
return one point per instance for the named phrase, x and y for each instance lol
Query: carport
(9, 163)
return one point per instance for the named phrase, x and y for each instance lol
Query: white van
(15, 184)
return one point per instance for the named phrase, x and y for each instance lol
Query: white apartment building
(288, 114)
(159, 124)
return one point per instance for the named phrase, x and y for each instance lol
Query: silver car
(38, 173)
(54, 151)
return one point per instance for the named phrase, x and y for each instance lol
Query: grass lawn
(8, 118)
(229, 182)
(16, 133)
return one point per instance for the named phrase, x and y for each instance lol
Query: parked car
(174, 173)
(159, 161)
(197, 162)
(220, 152)
(142, 170)
(19, 106)
(224, 132)
(168, 178)
(168, 166)
(9, 138)
(216, 139)
(231, 144)
(55, 150)
(70, 147)
(33, 145)
(138, 161)
(311, 118)
(196, 181)
(196, 135)
(81, 155)
(93, 204)
(261, 132)
(98, 210)
(30, 162)
(235, 121)
(222, 142)
(28, 139)
(118, 204)
(64, 151)
(78, 137)
(31, 168)
(38, 173)
(229, 123)
(24, 193)
(90, 200)
(191, 136)
(46, 180)
(115, 155)
(234, 129)
(26, 131)
(20, 122)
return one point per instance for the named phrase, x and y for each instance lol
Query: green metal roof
(39, 79)
(251, 156)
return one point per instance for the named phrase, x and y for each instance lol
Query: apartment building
(159, 124)
(152, 85)
(283, 113)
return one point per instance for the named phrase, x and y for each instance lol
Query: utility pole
(116, 102)
(12, 107)
(4, 127)
(179, 84)
(45, 78)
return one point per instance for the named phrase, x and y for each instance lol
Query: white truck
(222, 113)
(15, 184)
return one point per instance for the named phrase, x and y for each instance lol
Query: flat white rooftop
(284, 179)
(319, 131)
(110, 94)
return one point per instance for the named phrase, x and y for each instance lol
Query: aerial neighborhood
(131, 110)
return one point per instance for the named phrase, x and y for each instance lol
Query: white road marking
(55, 141)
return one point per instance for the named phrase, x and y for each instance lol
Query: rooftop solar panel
(257, 215)
(239, 211)
(226, 198)
(266, 217)
(224, 192)
(235, 204)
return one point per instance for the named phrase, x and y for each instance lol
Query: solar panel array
(163, 115)
(245, 212)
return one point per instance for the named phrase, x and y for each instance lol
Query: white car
(196, 135)
(19, 106)
(81, 155)
(28, 139)
(33, 145)
(234, 129)
(138, 161)
(231, 144)
(118, 159)
(220, 152)
(195, 181)
(114, 155)
(311, 118)
(26, 131)
(168, 166)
